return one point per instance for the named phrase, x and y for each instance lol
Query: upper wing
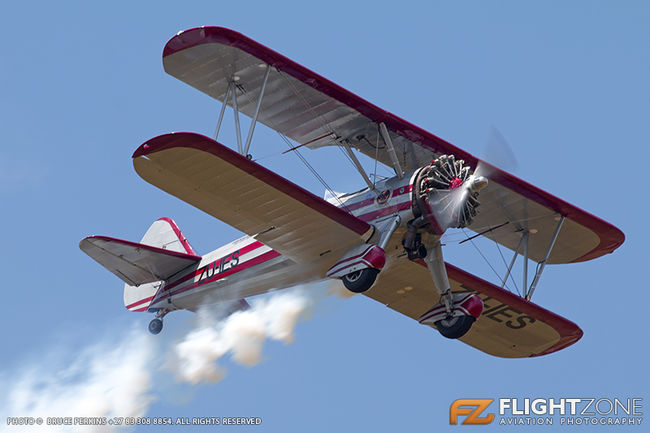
(509, 327)
(311, 109)
(247, 196)
(135, 263)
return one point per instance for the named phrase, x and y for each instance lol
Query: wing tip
(164, 141)
(196, 35)
(564, 342)
(568, 332)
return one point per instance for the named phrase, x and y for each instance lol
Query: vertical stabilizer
(165, 234)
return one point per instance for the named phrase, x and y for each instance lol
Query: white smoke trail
(114, 376)
(242, 335)
(102, 380)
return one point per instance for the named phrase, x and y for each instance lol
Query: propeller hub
(448, 191)
(455, 183)
(478, 183)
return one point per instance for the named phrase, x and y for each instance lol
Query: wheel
(155, 326)
(455, 327)
(360, 281)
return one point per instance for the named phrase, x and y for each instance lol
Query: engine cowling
(446, 193)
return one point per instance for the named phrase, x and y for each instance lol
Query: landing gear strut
(156, 325)
(454, 315)
(438, 271)
(446, 194)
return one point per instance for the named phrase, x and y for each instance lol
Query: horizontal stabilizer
(136, 263)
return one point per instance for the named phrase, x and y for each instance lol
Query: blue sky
(82, 86)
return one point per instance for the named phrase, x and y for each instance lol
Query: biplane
(383, 241)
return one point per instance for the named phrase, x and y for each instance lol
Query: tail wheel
(455, 327)
(360, 281)
(155, 326)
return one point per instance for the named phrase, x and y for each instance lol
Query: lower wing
(509, 327)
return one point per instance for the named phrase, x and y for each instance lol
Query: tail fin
(165, 234)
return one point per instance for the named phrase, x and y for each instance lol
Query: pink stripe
(353, 264)
(358, 205)
(179, 234)
(248, 248)
(252, 262)
(353, 257)
(369, 201)
(141, 301)
(383, 212)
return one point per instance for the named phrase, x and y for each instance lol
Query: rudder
(163, 233)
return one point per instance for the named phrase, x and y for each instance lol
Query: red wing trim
(201, 142)
(610, 236)
(147, 247)
(179, 234)
(569, 331)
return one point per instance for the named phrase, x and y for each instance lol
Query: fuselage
(246, 267)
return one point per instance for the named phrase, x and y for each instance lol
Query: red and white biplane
(382, 241)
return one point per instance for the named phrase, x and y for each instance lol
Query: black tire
(155, 326)
(360, 281)
(455, 327)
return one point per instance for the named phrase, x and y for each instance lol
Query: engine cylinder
(446, 193)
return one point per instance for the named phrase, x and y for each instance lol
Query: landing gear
(454, 315)
(360, 281)
(445, 194)
(465, 309)
(455, 327)
(155, 326)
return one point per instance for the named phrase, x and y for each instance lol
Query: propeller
(451, 187)
(451, 191)
(496, 153)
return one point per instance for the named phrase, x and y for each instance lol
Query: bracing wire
(297, 152)
(483, 255)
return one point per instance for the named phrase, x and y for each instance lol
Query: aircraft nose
(478, 183)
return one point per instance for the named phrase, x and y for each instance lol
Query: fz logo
(471, 408)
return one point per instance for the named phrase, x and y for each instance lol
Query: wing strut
(222, 112)
(512, 263)
(542, 264)
(257, 110)
(357, 164)
(391, 150)
(528, 291)
(232, 91)
(236, 113)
